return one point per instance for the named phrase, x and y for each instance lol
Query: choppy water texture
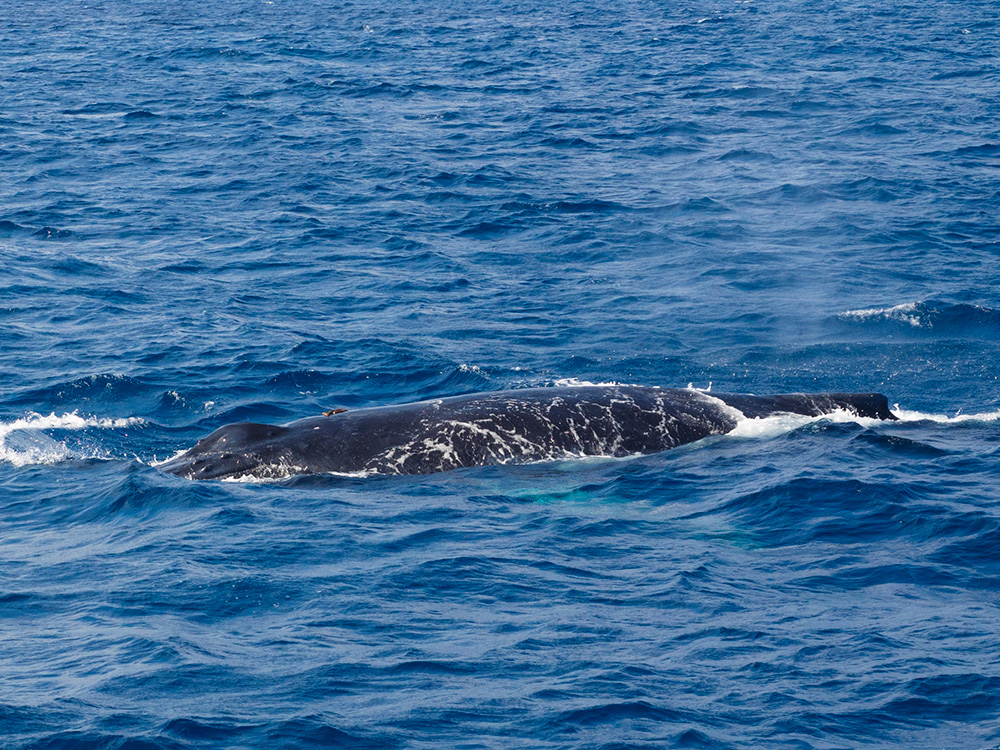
(213, 212)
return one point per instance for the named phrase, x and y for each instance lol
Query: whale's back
(498, 427)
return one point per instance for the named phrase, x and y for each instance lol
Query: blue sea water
(213, 212)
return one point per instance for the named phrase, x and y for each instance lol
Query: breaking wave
(954, 320)
(32, 440)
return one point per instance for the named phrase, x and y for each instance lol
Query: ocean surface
(260, 210)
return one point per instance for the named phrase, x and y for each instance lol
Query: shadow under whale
(515, 426)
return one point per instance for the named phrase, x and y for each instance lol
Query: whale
(498, 427)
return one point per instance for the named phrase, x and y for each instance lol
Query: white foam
(23, 442)
(732, 411)
(766, 427)
(780, 424)
(259, 479)
(577, 383)
(475, 369)
(287, 472)
(904, 313)
(156, 462)
(906, 415)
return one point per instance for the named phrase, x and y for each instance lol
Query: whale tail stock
(870, 405)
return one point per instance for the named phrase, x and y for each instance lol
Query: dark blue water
(212, 212)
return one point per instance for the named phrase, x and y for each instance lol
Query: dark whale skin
(517, 426)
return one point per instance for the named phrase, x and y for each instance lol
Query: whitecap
(23, 441)
(904, 313)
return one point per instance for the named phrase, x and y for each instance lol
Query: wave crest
(929, 316)
(24, 442)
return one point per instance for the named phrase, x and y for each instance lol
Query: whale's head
(244, 448)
